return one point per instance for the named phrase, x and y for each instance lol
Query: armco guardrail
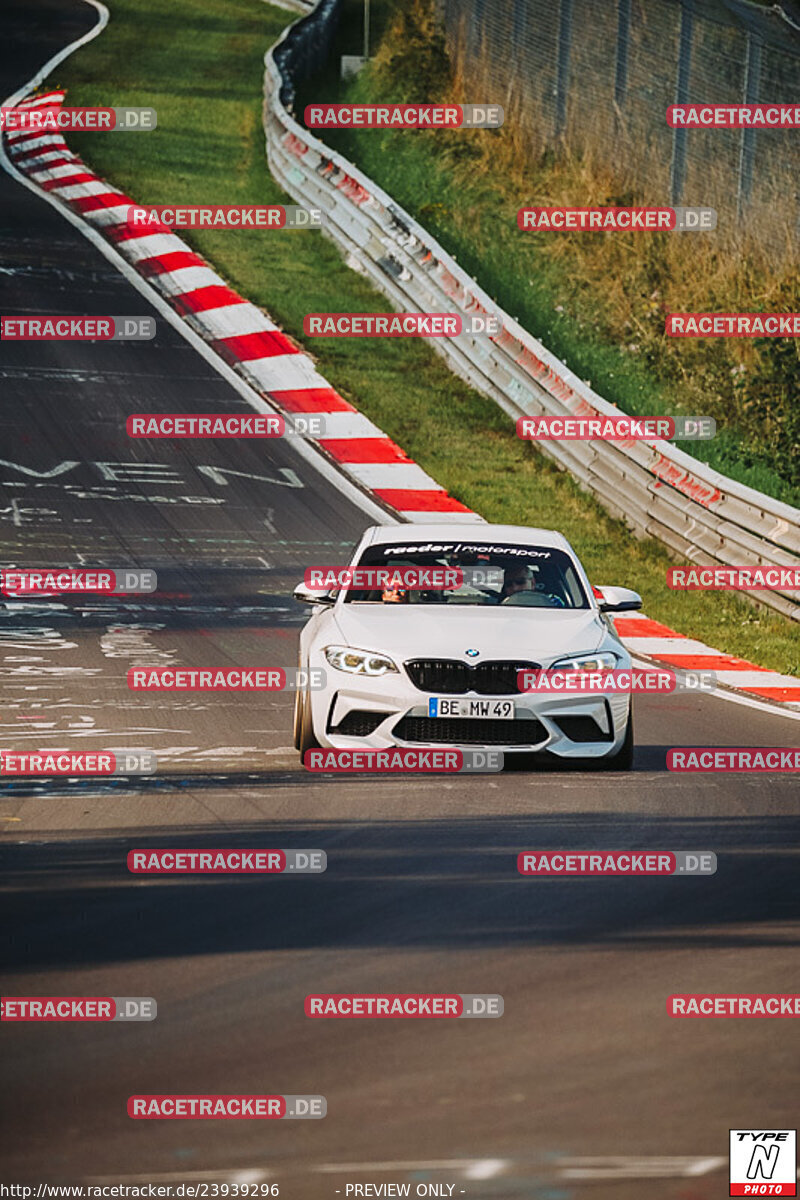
(657, 489)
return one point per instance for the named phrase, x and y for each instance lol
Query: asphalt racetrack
(584, 1087)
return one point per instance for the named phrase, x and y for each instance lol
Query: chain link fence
(598, 78)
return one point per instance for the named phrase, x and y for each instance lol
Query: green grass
(443, 180)
(200, 65)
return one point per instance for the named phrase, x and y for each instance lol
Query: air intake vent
(464, 731)
(359, 723)
(582, 729)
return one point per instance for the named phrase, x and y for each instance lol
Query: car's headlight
(587, 662)
(358, 662)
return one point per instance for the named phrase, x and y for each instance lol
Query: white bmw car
(427, 668)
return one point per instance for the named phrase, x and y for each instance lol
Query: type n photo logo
(763, 1162)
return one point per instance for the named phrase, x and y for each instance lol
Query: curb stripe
(410, 500)
(60, 154)
(312, 400)
(341, 425)
(786, 695)
(100, 214)
(106, 201)
(634, 626)
(364, 450)
(59, 170)
(168, 263)
(231, 320)
(215, 295)
(156, 247)
(252, 346)
(47, 139)
(125, 232)
(79, 183)
(707, 661)
(289, 371)
(188, 280)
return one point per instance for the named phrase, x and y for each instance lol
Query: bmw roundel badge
(472, 653)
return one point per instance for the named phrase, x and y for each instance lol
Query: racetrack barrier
(656, 488)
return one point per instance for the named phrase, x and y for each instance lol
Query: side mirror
(617, 599)
(307, 595)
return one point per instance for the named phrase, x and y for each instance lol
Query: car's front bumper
(565, 725)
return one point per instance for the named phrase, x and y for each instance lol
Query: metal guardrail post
(520, 20)
(623, 37)
(747, 149)
(678, 169)
(562, 74)
(476, 24)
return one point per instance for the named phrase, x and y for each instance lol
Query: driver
(394, 596)
(517, 578)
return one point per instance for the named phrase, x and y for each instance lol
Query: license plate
(458, 706)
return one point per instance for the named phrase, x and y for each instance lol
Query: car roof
(462, 531)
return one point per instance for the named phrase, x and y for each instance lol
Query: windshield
(511, 576)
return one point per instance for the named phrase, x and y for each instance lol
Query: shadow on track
(423, 884)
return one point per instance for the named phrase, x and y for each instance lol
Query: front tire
(623, 759)
(298, 718)
(304, 727)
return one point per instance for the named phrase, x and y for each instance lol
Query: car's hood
(422, 631)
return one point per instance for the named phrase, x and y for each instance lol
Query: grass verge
(597, 301)
(200, 65)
